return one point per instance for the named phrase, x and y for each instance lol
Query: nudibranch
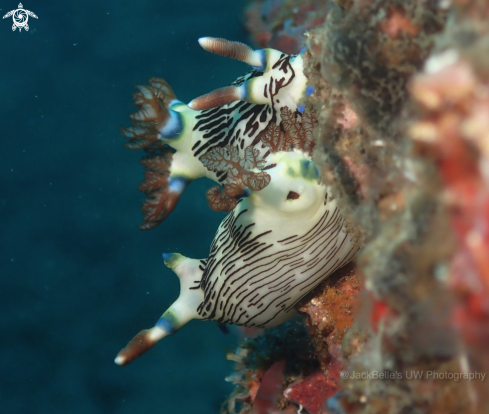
(284, 233)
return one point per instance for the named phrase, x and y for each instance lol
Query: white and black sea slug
(284, 234)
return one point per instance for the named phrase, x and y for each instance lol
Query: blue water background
(77, 277)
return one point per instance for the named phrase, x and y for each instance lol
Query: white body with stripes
(268, 253)
(280, 240)
(271, 251)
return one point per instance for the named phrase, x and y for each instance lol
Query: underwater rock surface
(401, 89)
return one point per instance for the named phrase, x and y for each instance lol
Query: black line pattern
(240, 123)
(253, 280)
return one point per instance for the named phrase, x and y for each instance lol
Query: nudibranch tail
(233, 50)
(178, 314)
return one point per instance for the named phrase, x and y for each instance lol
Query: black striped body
(268, 253)
(240, 123)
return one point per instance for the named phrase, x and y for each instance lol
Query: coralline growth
(401, 91)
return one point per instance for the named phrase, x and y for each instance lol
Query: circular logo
(20, 17)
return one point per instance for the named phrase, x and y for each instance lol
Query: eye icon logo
(20, 17)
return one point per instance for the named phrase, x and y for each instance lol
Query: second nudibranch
(234, 115)
(284, 233)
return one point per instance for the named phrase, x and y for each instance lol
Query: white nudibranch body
(284, 233)
(270, 250)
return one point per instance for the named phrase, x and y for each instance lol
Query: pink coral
(311, 392)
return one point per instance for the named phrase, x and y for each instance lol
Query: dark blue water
(78, 278)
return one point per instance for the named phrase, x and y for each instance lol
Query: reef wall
(402, 89)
